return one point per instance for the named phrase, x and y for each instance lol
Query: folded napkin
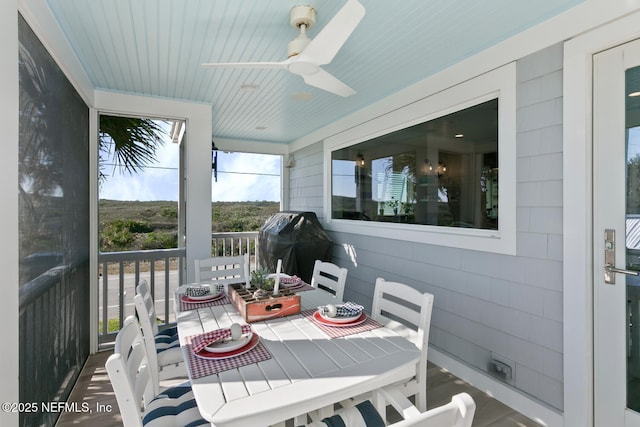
(208, 338)
(348, 309)
(197, 291)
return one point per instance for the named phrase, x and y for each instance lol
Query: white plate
(282, 275)
(339, 319)
(228, 345)
(293, 286)
(205, 298)
(202, 297)
(204, 354)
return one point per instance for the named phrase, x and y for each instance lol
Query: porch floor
(93, 387)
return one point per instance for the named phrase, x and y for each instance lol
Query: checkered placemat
(337, 332)
(186, 306)
(199, 367)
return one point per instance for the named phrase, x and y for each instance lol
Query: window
(439, 170)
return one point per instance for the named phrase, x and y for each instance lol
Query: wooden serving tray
(264, 308)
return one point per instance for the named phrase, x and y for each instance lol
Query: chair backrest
(223, 269)
(145, 292)
(129, 373)
(457, 413)
(329, 277)
(146, 312)
(399, 306)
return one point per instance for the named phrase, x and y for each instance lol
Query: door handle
(610, 269)
(610, 273)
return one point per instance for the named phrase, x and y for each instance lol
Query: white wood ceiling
(155, 48)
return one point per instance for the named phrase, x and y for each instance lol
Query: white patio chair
(329, 277)
(223, 270)
(457, 413)
(407, 311)
(163, 347)
(130, 377)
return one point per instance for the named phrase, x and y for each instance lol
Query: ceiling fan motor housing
(302, 15)
(302, 18)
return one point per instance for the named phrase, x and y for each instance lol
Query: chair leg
(421, 400)
(300, 420)
(380, 403)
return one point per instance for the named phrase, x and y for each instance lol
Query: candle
(247, 277)
(276, 285)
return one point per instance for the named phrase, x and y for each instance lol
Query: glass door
(616, 234)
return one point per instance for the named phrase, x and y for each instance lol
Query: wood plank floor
(93, 387)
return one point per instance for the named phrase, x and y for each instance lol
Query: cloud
(247, 177)
(241, 177)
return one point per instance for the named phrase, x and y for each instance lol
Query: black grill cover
(298, 239)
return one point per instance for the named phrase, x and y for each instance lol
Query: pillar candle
(276, 285)
(247, 276)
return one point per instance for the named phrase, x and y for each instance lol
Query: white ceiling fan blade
(326, 44)
(263, 65)
(325, 81)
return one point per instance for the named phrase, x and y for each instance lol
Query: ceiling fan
(305, 55)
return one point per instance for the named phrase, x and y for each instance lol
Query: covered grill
(298, 239)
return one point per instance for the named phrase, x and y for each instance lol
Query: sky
(241, 177)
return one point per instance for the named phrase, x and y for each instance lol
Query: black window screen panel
(53, 229)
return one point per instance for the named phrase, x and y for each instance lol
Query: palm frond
(134, 141)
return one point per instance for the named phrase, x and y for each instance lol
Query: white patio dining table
(308, 370)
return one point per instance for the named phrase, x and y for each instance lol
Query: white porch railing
(236, 243)
(120, 272)
(164, 269)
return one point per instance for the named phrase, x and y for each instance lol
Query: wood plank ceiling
(156, 47)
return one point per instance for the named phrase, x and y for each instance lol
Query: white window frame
(499, 83)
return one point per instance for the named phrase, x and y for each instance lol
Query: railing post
(105, 297)
(121, 295)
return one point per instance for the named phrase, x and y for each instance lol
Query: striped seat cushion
(166, 339)
(167, 336)
(168, 347)
(361, 415)
(175, 406)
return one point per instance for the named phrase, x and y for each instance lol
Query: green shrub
(133, 225)
(169, 212)
(121, 233)
(113, 238)
(159, 240)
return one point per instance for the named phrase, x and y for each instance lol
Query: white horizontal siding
(484, 302)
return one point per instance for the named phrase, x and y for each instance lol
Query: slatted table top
(308, 369)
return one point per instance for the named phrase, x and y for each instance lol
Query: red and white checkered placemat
(186, 306)
(342, 331)
(199, 367)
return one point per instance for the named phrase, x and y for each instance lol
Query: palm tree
(131, 143)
